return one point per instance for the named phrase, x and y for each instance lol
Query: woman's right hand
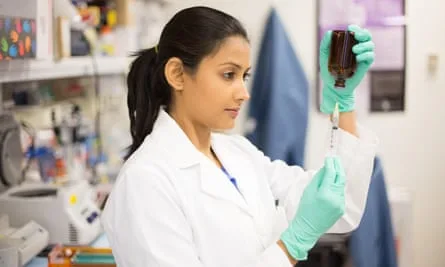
(322, 204)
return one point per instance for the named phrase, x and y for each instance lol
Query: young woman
(187, 196)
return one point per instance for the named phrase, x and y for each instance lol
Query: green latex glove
(364, 51)
(322, 204)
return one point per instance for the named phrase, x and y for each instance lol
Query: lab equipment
(9, 252)
(29, 239)
(65, 256)
(11, 154)
(364, 53)
(67, 211)
(325, 193)
(342, 62)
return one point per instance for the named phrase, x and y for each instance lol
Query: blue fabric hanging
(372, 244)
(279, 97)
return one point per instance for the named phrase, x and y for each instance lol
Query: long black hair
(190, 35)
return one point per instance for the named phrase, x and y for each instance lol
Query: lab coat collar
(214, 182)
(168, 134)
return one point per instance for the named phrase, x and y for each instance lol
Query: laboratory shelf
(30, 70)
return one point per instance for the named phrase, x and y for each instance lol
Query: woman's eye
(229, 75)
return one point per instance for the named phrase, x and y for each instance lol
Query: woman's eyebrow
(234, 64)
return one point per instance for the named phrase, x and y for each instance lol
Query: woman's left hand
(364, 51)
(321, 206)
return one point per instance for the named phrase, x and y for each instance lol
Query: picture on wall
(17, 38)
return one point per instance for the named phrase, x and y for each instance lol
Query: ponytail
(147, 92)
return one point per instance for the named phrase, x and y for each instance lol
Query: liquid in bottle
(342, 62)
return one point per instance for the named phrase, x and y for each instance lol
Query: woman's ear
(174, 73)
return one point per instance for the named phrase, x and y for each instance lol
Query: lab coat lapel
(242, 170)
(216, 184)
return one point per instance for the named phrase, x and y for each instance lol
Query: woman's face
(213, 95)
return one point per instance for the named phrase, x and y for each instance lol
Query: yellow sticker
(73, 199)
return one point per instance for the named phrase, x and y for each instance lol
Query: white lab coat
(171, 206)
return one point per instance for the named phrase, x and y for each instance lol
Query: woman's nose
(243, 94)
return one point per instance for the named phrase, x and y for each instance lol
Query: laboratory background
(64, 123)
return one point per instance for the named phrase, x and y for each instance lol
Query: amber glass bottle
(342, 63)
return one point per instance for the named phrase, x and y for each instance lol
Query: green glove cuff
(345, 102)
(294, 250)
(297, 246)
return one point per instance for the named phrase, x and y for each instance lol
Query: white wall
(411, 142)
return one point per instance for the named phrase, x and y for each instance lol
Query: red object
(21, 48)
(18, 25)
(33, 26)
(60, 168)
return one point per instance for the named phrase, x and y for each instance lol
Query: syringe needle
(335, 116)
(334, 129)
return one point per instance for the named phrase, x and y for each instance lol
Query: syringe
(334, 131)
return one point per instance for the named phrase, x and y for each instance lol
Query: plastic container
(65, 256)
(342, 63)
(9, 253)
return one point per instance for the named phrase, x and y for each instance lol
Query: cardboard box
(125, 12)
